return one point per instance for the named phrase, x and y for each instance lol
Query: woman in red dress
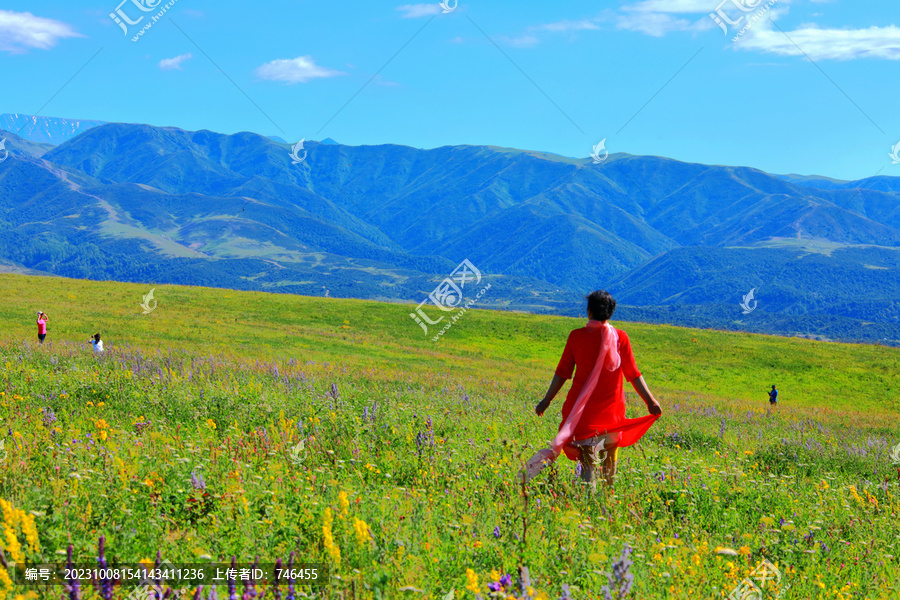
(593, 415)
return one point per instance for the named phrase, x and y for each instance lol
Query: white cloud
(294, 70)
(168, 64)
(673, 6)
(658, 17)
(21, 31)
(566, 26)
(526, 40)
(825, 44)
(414, 11)
(657, 24)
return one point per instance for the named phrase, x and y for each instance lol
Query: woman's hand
(542, 406)
(654, 407)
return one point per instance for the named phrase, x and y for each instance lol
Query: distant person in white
(96, 343)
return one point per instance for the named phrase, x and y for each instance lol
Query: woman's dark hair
(601, 305)
(97, 336)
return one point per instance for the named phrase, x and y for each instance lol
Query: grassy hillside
(242, 424)
(511, 348)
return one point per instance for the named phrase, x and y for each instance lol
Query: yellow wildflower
(471, 581)
(6, 581)
(12, 544)
(210, 423)
(362, 531)
(30, 531)
(333, 551)
(344, 504)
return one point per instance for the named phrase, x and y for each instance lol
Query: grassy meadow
(244, 424)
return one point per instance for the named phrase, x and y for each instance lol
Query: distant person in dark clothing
(42, 326)
(773, 396)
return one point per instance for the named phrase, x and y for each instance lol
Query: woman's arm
(555, 385)
(640, 386)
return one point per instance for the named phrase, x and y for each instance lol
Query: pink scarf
(608, 357)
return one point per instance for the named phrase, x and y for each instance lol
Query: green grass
(231, 382)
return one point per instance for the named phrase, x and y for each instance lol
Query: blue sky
(810, 88)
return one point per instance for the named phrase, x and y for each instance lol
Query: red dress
(605, 409)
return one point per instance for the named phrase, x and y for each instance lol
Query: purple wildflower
(197, 481)
(106, 586)
(48, 418)
(72, 585)
(506, 580)
(497, 532)
(276, 593)
(565, 592)
(232, 594)
(621, 579)
(290, 567)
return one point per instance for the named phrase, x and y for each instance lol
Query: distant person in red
(42, 326)
(593, 415)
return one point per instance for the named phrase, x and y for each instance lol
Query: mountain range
(675, 242)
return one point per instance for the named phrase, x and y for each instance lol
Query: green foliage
(421, 442)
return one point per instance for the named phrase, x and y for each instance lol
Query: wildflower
(744, 550)
(101, 424)
(497, 532)
(344, 504)
(362, 531)
(48, 418)
(472, 581)
(197, 481)
(211, 424)
(621, 579)
(333, 551)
